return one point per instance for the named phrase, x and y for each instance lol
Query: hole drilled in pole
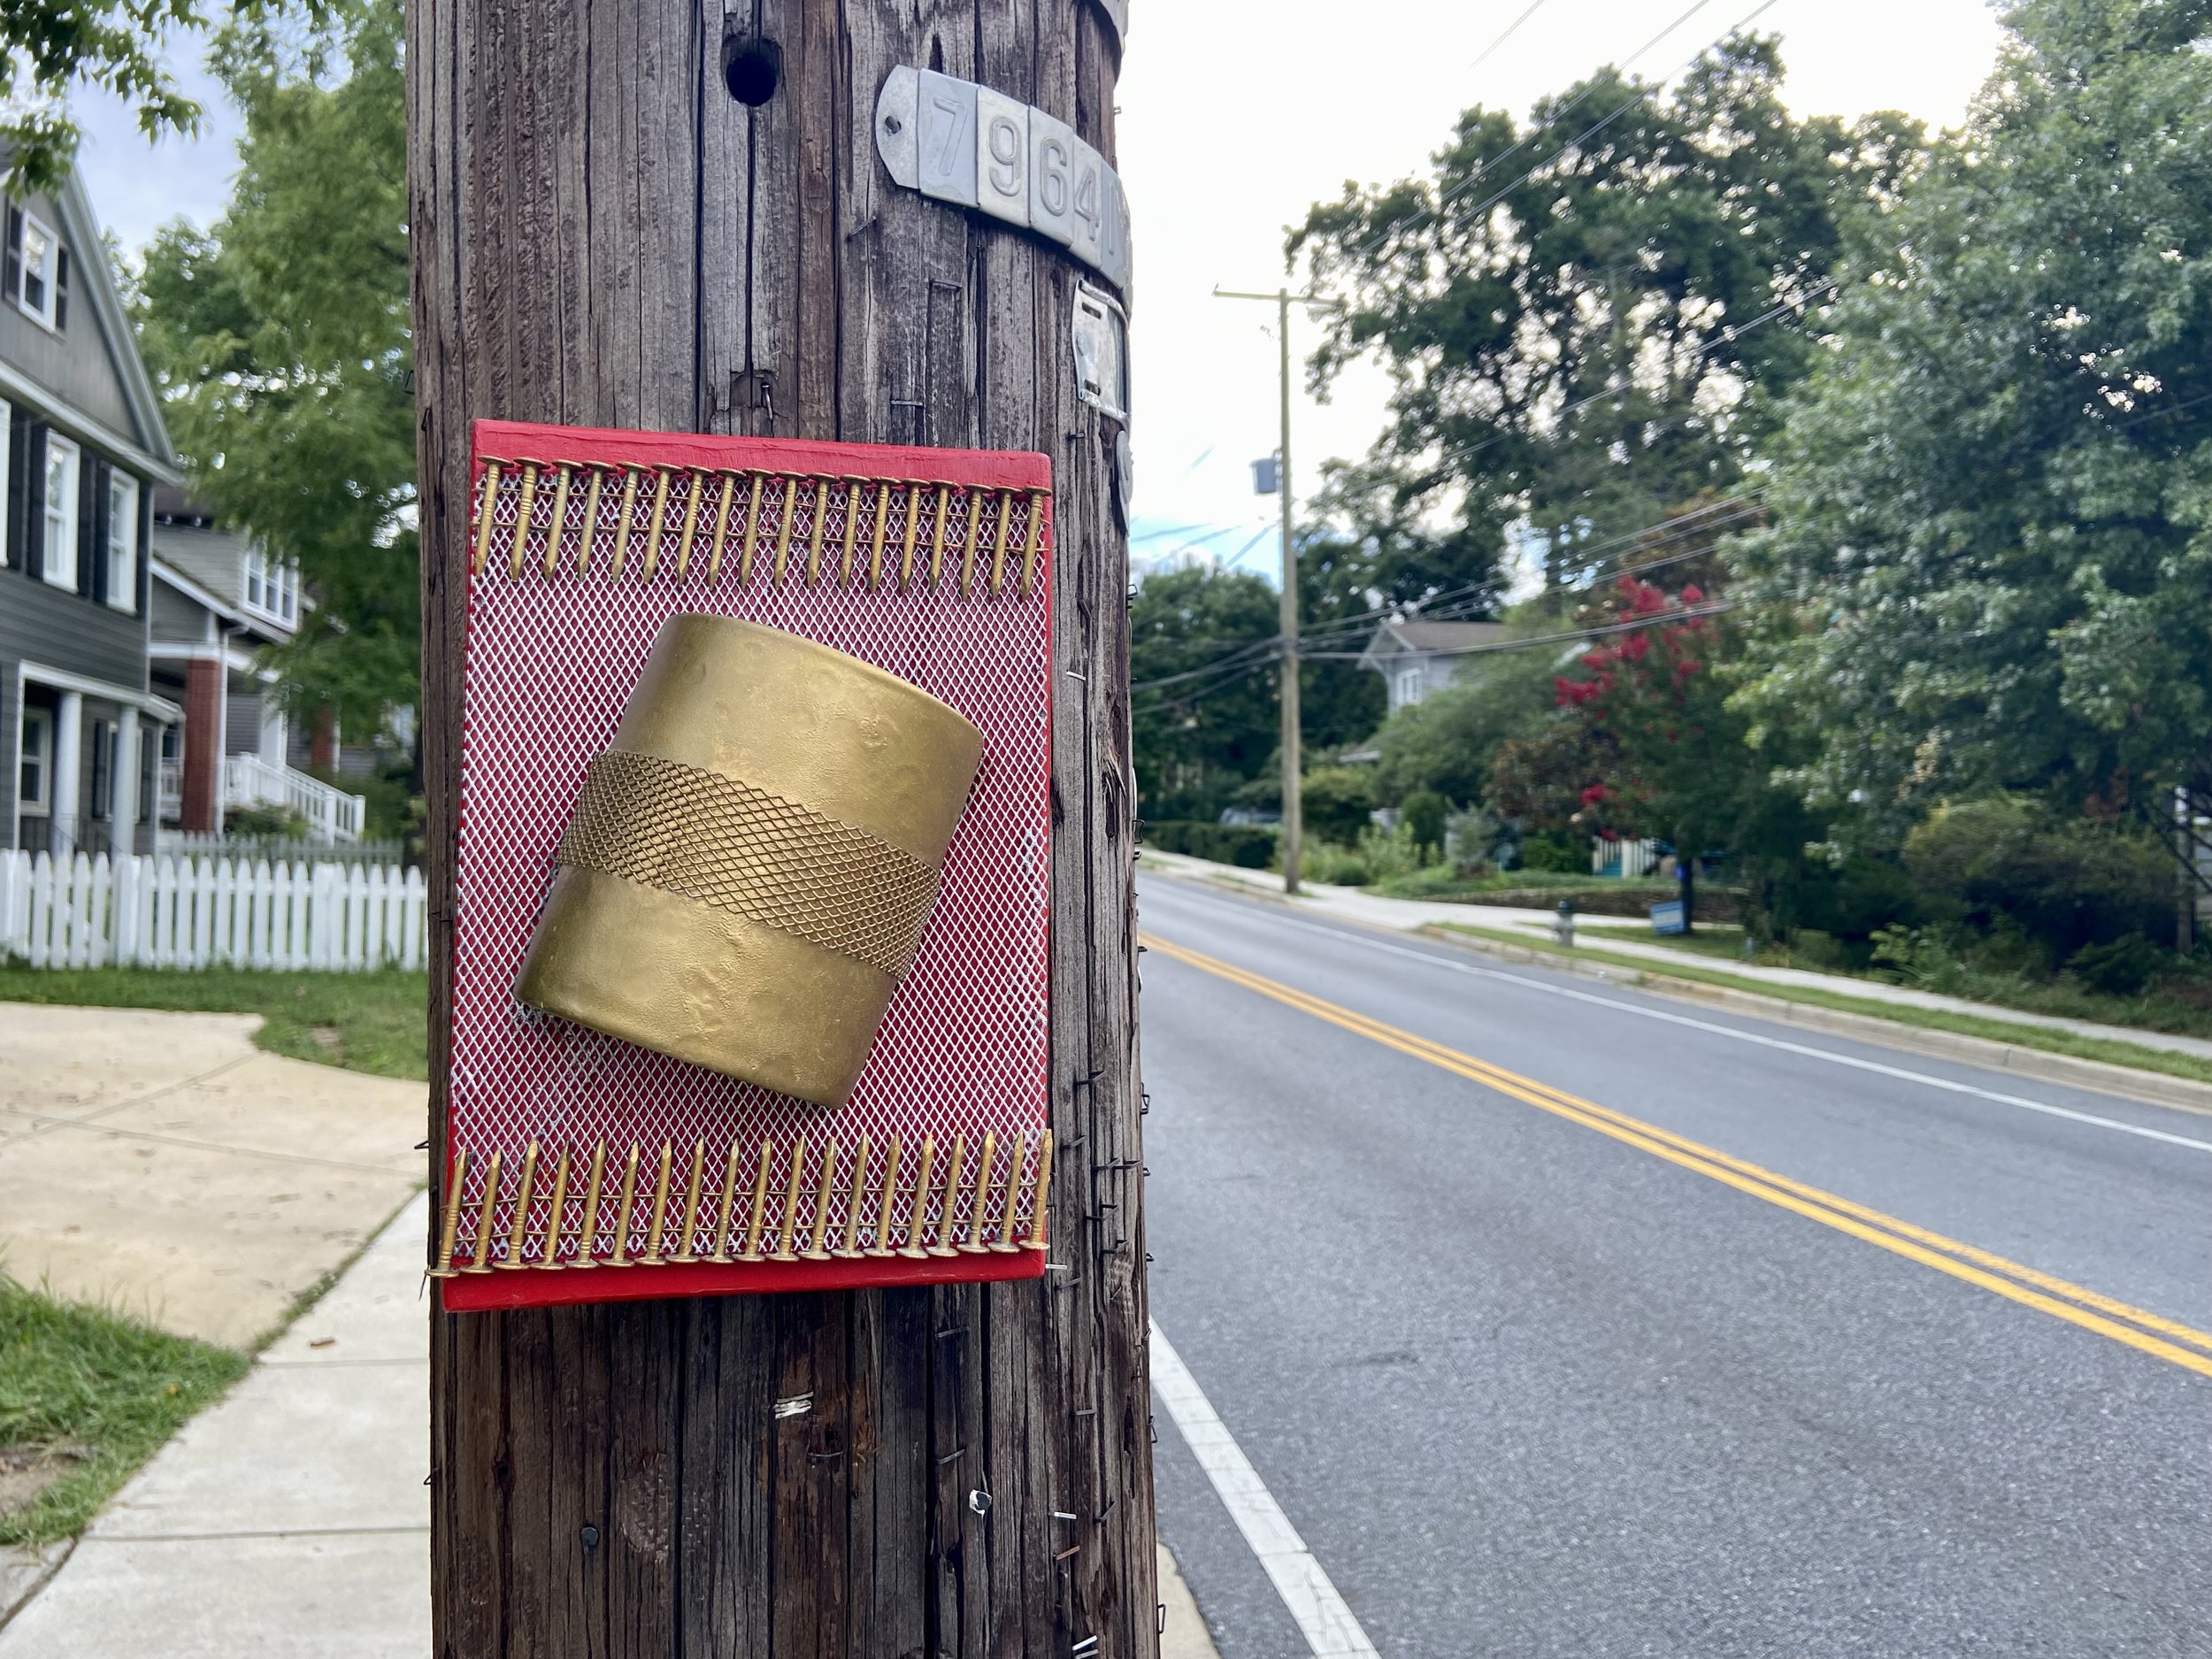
(752, 67)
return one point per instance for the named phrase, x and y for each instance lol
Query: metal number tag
(947, 138)
(956, 142)
(1002, 158)
(1051, 178)
(1086, 206)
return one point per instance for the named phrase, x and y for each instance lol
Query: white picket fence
(85, 912)
(1626, 859)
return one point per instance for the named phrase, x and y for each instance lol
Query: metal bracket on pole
(962, 143)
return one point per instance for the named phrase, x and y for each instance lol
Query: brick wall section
(202, 743)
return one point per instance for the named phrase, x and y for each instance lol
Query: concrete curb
(2150, 1088)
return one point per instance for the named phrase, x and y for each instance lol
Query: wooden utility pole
(1293, 723)
(604, 235)
(1293, 763)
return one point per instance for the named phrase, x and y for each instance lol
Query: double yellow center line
(2151, 1333)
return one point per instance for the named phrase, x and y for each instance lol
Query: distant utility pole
(1293, 788)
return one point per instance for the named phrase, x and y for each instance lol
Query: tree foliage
(49, 48)
(280, 339)
(1339, 703)
(1572, 349)
(1991, 559)
(1447, 741)
(1209, 729)
(1684, 768)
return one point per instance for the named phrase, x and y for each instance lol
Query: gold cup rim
(786, 638)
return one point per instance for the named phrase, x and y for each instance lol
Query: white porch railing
(1626, 859)
(250, 781)
(85, 912)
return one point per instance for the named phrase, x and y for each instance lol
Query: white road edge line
(1327, 1624)
(1787, 1047)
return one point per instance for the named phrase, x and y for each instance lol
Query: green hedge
(1251, 846)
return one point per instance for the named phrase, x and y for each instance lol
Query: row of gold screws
(674, 1191)
(679, 494)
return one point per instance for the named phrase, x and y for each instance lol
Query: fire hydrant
(1562, 927)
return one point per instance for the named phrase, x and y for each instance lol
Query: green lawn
(1535, 889)
(2158, 1009)
(93, 1396)
(365, 1022)
(2039, 1037)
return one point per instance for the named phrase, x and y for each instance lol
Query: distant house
(218, 599)
(79, 722)
(1415, 658)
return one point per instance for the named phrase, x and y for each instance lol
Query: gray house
(1415, 658)
(218, 602)
(80, 727)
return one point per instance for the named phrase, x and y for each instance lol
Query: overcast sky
(1236, 116)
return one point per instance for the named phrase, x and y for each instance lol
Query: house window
(272, 587)
(38, 269)
(122, 550)
(61, 511)
(34, 771)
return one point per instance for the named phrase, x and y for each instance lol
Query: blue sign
(1667, 918)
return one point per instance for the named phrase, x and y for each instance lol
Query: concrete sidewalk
(160, 1164)
(1409, 914)
(289, 1521)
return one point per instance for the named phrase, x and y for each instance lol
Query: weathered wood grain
(603, 236)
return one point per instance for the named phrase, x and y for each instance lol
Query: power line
(1687, 613)
(1487, 167)
(1226, 677)
(1258, 653)
(1173, 529)
(1741, 505)
(1264, 530)
(1727, 337)
(1504, 35)
(2160, 414)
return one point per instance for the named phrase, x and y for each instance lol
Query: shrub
(1248, 846)
(2124, 967)
(1854, 901)
(1423, 813)
(1335, 800)
(1560, 854)
(276, 823)
(2067, 883)
(1337, 866)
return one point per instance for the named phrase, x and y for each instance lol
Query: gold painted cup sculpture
(751, 863)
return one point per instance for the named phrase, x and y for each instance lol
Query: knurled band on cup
(725, 843)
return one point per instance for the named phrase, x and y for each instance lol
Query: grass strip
(2038, 1037)
(2150, 1011)
(365, 1022)
(96, 1392)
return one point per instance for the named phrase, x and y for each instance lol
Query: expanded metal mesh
(560, 621)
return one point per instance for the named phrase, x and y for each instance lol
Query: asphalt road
(1527, 1389)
